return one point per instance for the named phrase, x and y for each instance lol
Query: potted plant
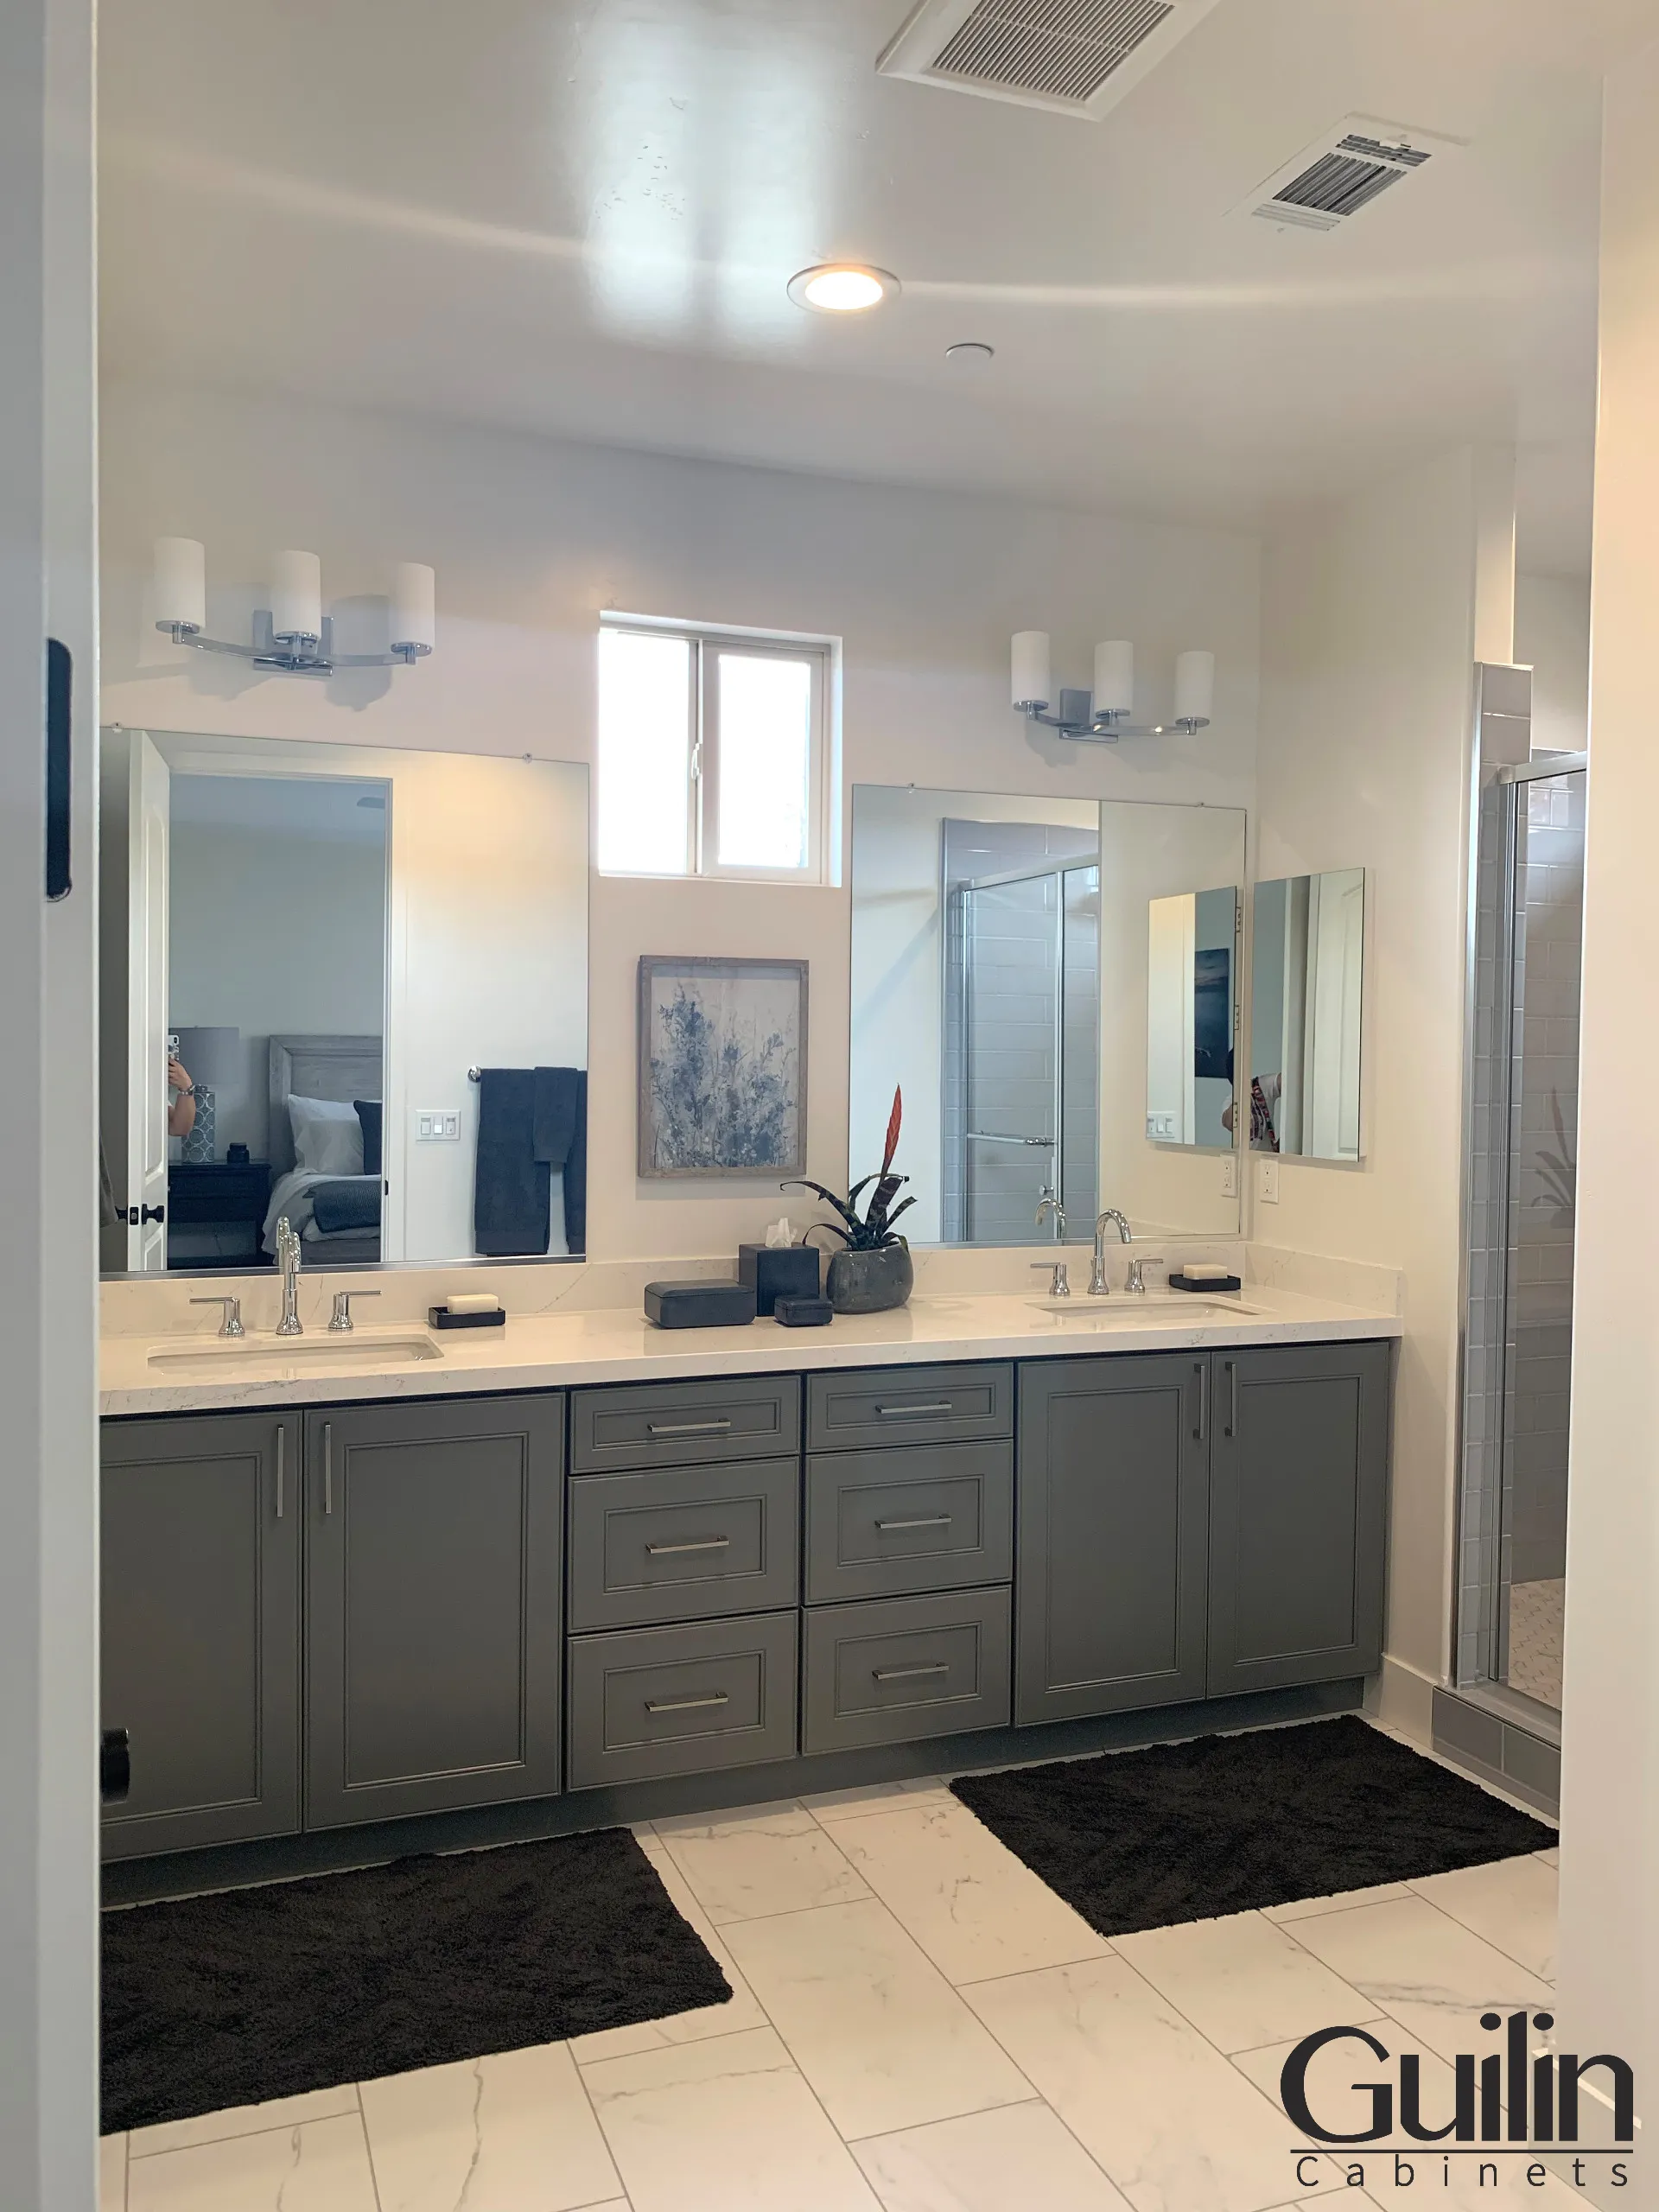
(873, 1271)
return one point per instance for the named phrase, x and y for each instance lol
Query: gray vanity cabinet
(433, 1617)
(1113, 1512)
(1299, 1497)
(200, 1639)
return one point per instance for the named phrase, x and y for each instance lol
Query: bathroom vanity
(588, 1572)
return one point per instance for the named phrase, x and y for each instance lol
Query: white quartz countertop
(199, 1371)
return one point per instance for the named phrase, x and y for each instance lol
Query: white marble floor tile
(1344, 1901)
(1241, 1982)
(876, 2029)
(322, 2166)
(112, 2173)
(1020, 2156)
(724, 2126)
(1428, 1970)
(245, 2119)
(734, 2018)
(1170, 2119)
(1552, 1856)
(512, 2132)
(777, 1860)
(1511, 1904)
(831, 1806)
(974, 1908)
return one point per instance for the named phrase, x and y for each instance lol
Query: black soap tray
(1199, 1284)
(441, 1318)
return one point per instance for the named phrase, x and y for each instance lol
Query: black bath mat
(1189, 1831)
(248, 1994)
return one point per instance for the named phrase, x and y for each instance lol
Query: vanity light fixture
(842, 286)
(1101, 716)
(294, 637)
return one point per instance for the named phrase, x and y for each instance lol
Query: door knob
(115, 1765)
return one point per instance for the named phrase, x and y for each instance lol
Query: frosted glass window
(645, 752)
(766, 760)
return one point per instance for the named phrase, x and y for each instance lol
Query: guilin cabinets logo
(1515, 2103)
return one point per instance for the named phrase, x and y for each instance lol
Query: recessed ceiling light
(972, 354)
(843, 288)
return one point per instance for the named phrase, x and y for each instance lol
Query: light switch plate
(1230, 1176)
(437, 1125)
(1267, 1179)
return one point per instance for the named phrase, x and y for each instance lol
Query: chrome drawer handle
(898, 1413)
(933, 1521)
(703, 1544)
(687, 1427)
(908, 1673)
(686, 1704)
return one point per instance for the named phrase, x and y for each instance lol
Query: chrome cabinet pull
(1232, 1428)
(685, 1704)
(944, 1406)
(908, 1673)
(328, 1466)
(281, 1454)
(703, 1544)
(932, 1520)
(687, 1427)
(1201, 1368)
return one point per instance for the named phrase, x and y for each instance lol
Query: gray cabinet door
(685, 1424)
(898, 1669)
(200, 1649)
(684, 1543)
(935, 1517)
(1112, 1536)
(433, 1584)
(650, 1701)
(1297, 1510)
(880, 1405)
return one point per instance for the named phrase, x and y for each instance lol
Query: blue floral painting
(722, 1067)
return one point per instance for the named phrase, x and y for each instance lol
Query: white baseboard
(1402, 1697)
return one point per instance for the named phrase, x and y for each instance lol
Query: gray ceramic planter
(870, 1283)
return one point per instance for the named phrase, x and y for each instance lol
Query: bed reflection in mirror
(1308, 975)
(342, 986)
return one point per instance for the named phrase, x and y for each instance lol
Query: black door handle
(60, 697)
(115, 1765)
(137, 1215)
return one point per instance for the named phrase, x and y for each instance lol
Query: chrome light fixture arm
(296, 655)
(1080, 722)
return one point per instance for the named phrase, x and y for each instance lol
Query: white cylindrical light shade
(1031, 678)
(414, 607)
(180, 578)
(1115, 677)
(296, 595)
(1195, 687)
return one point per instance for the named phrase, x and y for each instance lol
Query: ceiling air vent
(1074, 57)
(1331, 180)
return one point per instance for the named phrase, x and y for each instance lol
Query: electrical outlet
(437, 1125)
(1267, 1179)
(1230, 1176)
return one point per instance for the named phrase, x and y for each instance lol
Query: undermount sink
(227, 1356)
(1122, 1306)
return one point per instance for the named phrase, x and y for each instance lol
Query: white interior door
(148, 810)
(1336, 939)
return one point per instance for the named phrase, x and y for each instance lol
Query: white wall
(531, 538)
(1369, 642)
(1609, 1808)
(1552, 636)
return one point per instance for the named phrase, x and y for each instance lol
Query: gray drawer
(930, 1516)
(683, 1543)
(681, 1700)
(900, 1668)
(908, 1405)
(685, 1424)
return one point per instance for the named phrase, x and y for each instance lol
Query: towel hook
(474, 1075)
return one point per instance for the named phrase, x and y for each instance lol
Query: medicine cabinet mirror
(1001, 951)
(324, 969)
(1307, 995)
(1191, 1018)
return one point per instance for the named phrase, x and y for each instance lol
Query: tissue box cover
(781, 1271)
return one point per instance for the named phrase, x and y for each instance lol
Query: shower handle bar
(993, 1136)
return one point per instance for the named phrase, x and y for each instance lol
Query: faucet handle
(1058, 1287)
(342, 1323)
(230, 1314)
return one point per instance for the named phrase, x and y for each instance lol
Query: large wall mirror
(344, 985)
(1308, 977)
(1001, 957)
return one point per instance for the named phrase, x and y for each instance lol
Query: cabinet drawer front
(903, 1667)
(685, 1424)
(908, 1405)
(936, 1516)
(681, 1700)
(683, 1543)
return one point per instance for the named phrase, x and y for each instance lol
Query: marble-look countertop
(556, 1350)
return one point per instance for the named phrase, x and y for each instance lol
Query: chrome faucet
(1049, 1204)
(287, 1259)
(1098, 1286)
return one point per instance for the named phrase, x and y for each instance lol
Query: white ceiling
(579, 216)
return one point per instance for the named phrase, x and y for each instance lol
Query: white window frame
(707, 640)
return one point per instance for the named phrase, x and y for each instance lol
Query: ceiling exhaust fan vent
(1074, 57)
(1330, 181)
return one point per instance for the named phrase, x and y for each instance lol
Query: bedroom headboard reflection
(303, 949)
